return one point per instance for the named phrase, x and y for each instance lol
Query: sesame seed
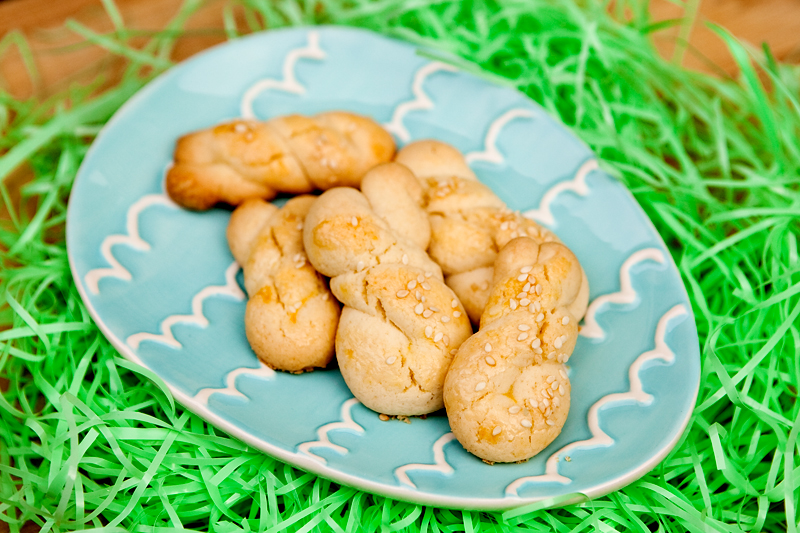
(561, 390)
(539, 289)
(526, 423)
(427, 313)
(526, 269)
(405, 259)
(360, 265)
(536, 343)
(446, 340)
(512, 304)
(562, 373)
(428, 331)
(325, 296)
(354, 221)
(299, 226)
(480, 386)
(300, 265)
(402, 294)
(550, 422)
(422, 299)
(522, 277)
(556, 401)
(522, 337)
(453, 351)
(524, 302)
(456, 314)
(514, 235)
(391, 360)
(419, 309)
(383, 417)
(557, 343)
(565, 320)
(504, 226)
(454, 303)
(514, 409)
(487, 348)
(534, 404)
(240, 128)
(523, 327)
(445, 319)
(538, 305)
(521, 295)
(426, 286)
(496, 431)
(550, 379)
(537, 351)
(490, 360)
(434, 309)
(554, 386)
(411, 284)
(545, 402)
(297, 257)
(539, 317)
(527, 287)
(546, 392)
(418, 295)
(420, 278)
(438, 337)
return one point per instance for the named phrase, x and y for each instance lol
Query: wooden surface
(62, 57)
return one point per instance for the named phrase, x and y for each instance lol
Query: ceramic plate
(163, 287)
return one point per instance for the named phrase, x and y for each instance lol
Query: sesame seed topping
(383, 417)
(496, 431)
(480, 386)
(420, 278)
(514, 235)
(428, 274)
(434, 309)
(405, 259)
(522, 277)
(535, 343)
(539, 317)
(427, 313)
(446, 340)
(426, 286)
(297, 257)
(524, 302)
(545, 402)
(402, 294)
(561, 390)
(527, 287)
(565, 320)
(391, 360)
(299, 265)
(512, 304)
(240, 128)
(325, 296)
(438, 337)
(354, 221)
(562, 373)
(453, 351)
(557, 343)
(556, 401)
(487, 348)
(521, 295)
(550, 422)
(522, 337)
(523, 327)
(419, 309)
(454, 303)
(514, 409)
(539, 288)
(445, 319)
(537, 351)
(490, 360)
(526, 423)
(554, 386)
(538, 305)
(418, 295)
(456, 314)
(422, 299)
(534, 403)
(360, 265)
(504, 226)
(411, 284)
(526, 269)
(428, 331)
(550, 379)
(299, 226)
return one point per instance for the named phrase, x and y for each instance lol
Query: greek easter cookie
(401, 324)
(507, 393)
(244, 159)
(291, 316)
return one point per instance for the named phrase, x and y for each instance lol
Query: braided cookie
(469, 224)
(507, 392)
(245, 159)
(401, 324)
(291, 317)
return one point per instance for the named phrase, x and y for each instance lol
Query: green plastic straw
(90, 441)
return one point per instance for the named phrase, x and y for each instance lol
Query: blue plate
(161, 284)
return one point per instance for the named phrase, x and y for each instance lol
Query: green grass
(88, 440)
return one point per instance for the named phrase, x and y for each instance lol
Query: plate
(163, 287)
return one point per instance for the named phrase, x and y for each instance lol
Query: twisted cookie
(469, 224)
(291, 317)
(507, 392)
(248, 159)
(400, 324)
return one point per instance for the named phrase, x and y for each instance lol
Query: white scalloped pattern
(440, 462)
(323, 441)
(490, 153)
(577, 184)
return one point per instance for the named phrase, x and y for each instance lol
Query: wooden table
(61, 58)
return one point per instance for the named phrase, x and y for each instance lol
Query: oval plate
(163, 287)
